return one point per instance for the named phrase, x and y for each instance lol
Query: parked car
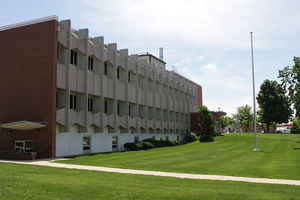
(283, 130)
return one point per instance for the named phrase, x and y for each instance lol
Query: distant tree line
(278, 102)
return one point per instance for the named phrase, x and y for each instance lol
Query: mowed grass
(228, 155)
(36, 183)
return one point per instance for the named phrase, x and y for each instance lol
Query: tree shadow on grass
(297, 148)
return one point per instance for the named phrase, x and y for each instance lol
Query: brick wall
(28, 83)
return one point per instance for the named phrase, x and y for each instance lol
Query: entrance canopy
(23, 125)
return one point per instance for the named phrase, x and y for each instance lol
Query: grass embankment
(35, 183)
(228, 155)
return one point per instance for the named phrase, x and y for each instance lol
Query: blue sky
(207, 41)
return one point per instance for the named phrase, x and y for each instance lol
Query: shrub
(145, 145)
(149, 144)
(189, 138)
(131, 146)
(149, 140)
(174, 143)
(206, 138)
(156, 142)
(139, 146)
(169, 143)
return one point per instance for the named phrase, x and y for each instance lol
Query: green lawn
(36, 183)
(229, 155)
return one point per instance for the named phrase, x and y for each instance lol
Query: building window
(129, 76)
(118, 108)
(136, 139)
(105, 106)
(158, 114)
(23, 146)
(115, 143)
(105, 69)
(86, 144)
(90, 104)
(141, 111)
(131, 110)
(150, 113)
(73, 57)
(57, 101)
(118, 73)
(73, 102)
(90, 63)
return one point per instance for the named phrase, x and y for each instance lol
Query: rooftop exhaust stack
(161, 53)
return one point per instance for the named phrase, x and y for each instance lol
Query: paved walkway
(50, 163)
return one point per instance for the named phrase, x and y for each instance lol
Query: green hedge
(206, 138)
(295, 131)
(189, 138)
(149, 144)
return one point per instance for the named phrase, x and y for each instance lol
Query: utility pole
(254, 101)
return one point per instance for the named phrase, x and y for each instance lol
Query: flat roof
(30, 22)
(151, 55)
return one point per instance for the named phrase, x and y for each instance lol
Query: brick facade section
(28, 84)
(194, 127)
(199, 97)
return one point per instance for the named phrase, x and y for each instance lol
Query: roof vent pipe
(161, 53)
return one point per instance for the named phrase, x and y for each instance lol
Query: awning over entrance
(23, 125)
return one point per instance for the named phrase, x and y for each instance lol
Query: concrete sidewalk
(50, 163)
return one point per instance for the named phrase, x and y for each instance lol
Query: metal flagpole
(254, 102)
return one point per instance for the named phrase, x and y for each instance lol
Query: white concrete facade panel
(130, 93)
(68, 144)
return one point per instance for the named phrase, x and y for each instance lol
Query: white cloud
(223, 87)
(189, 60)
(207, 41)
(210, 67)
(199, 23)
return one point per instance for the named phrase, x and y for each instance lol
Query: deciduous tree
(205, 123)
(226, 121)
(244, 116)
(274, 106)
(290, 82)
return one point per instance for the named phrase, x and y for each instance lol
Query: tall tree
(290, 81)
(274, 105)
(244, 116)
(205, 123)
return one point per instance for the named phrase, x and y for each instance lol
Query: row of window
(73, 102)
(74, 61)
(73, 106)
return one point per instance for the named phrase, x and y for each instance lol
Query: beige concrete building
(103, 90)
(106, 98)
